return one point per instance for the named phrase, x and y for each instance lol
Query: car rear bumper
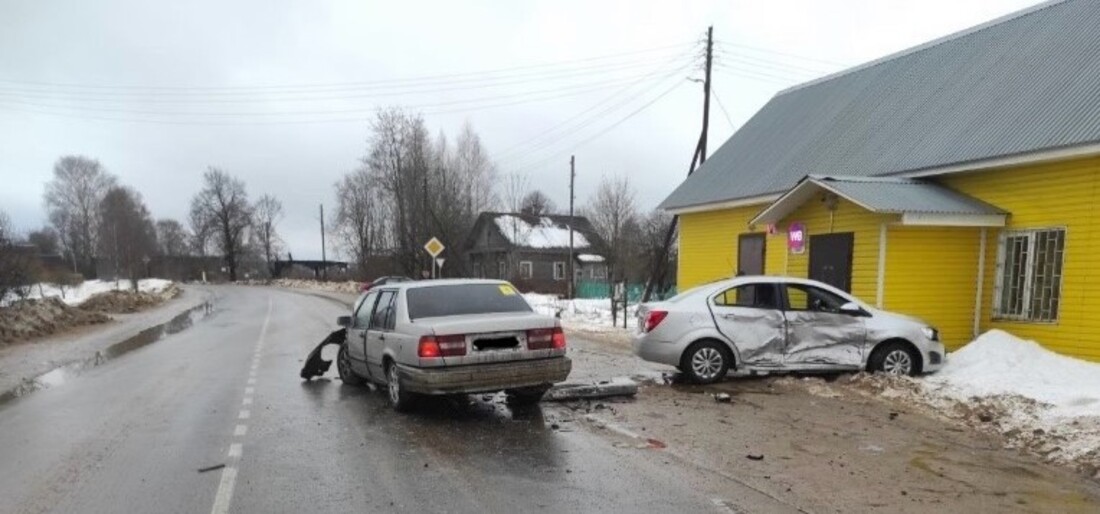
(661, 352)
(479, 378)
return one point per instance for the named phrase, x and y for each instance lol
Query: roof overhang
(811, 186)
(1008, 161)
(728, 204)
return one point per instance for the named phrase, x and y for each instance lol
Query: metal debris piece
(723, 398)
(211, 468)
(315, 365)
(619, 386)
(755, 456)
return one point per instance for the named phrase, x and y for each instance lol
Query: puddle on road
(60, 375)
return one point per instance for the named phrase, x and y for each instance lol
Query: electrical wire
(723, 107)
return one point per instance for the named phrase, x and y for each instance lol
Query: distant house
(533, 251)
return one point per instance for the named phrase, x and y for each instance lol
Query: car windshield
(462, 299)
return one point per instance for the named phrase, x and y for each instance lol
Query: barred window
(1029, 274)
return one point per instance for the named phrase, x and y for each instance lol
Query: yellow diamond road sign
(434, 247)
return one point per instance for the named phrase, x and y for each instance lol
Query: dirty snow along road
(132, 435)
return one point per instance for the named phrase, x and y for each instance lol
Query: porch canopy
(918, 202)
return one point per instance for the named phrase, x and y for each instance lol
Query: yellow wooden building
(956, 181)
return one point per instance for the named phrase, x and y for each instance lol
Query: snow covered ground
(593, 315)
(77, 295)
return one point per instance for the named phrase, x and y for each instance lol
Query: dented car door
(357, 332)
(750, 316)
(818, 332)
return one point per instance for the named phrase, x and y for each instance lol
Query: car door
(357, 331)
(751, 317)
(381, 324)
(818, 332)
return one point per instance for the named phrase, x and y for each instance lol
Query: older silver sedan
(762, 323)
(451, 337)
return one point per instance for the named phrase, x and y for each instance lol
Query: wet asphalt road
(130, 436)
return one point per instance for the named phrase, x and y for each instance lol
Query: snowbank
(78, 294)
(998, 363)
(585, 314)
(546, 234)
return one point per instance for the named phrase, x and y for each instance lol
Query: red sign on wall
(796, 237)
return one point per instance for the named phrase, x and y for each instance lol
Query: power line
(723, 107)
(387, 82)
(776, 52)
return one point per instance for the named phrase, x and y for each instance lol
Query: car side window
(759, 296)
(363, 310)
(383, 318)
(809, 298)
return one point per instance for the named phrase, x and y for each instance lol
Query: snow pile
(79, 294)
(345, 287)
(1038, 400)
(588, 257)
(545, 234)
(998, 363)
(593, 315)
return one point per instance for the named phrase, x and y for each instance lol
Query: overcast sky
(280, 93)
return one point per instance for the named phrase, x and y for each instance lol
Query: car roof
(413, 284)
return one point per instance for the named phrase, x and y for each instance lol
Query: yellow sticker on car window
(507, 290)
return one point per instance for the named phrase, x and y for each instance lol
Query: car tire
(706, 362)
(343, 367)
(525, 396)
(894, 358)
(400, 400)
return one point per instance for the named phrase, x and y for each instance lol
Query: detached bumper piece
(478, 378)
(315, 366)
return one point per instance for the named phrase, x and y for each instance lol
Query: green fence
(600, 289)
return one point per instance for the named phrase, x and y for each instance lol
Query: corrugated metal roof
(898, 195)
(1026, 83)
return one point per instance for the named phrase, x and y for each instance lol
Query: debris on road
(755, 456)
(619, 386)
(723, 398)
(656, 444)
(315, 365)
(211, 468)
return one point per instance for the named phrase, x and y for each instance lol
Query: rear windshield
(460, 299)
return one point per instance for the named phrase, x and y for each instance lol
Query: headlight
(931, 333)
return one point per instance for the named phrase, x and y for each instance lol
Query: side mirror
(853, 308)
(344, 321)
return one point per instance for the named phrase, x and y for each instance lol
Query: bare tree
(611, 211)
(267, 213)
(72, 200)
(222, 209)
(515, 188)
(46, 240)
(362, 218)
(172, 238)
(536, 203)
(127, 235)
(200, 232)
(16, 266)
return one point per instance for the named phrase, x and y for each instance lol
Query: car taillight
(441, 346)
(654, 318)
(546, 338)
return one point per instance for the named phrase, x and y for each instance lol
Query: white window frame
(599, 271)
(559, 270)
(1025, 312)
(502, 269)
(526, 269)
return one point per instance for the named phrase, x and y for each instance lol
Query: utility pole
(324, 266)
(660, 264)
(572, 179)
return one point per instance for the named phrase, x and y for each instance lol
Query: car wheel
(525, 396)
(895, 358)
(343, 367)
(706, 362)
(400, 399)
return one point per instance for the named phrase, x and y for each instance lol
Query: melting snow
(545, 234)
(588, 257)
(587, 314)
(77, 295)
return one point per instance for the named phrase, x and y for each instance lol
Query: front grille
(934, 358)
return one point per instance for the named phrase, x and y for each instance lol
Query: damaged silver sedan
(763, 323)
(442, 337)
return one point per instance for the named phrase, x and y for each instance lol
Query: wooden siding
(1062, 194)
(932, 273)
(708, 244)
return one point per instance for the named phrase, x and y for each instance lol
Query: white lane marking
(247, 400)
(725, 506)
(240, 430)
(245, 414)
(252, 374)
(225, 491)
(224, 496)
(251, 381)
(614, 427)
